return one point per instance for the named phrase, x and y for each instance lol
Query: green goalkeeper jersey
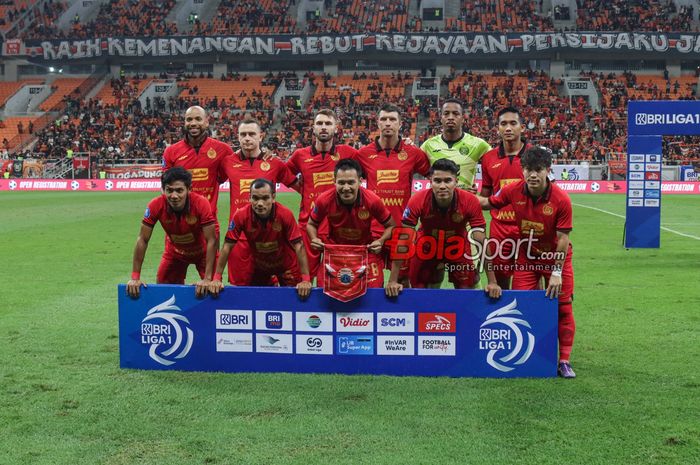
(466, 153)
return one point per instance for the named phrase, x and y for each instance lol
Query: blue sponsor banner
(688, 173)
(643, 218)
(423, 332)
(663, 117)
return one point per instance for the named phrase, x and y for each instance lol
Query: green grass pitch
(64, 399)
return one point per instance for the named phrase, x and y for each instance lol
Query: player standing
(315, 164)
(275, 242)
(389, 165)
(543, 213)
(500, 166)
(350, 210)
(241, 169)
(190, 236)
(201, 155)
(454, 144)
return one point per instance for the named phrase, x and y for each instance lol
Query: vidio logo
(501, 331)
(171, 338)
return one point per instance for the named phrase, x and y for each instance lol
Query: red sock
(567, 329)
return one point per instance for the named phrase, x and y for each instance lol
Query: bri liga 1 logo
(504, 334)
(167, 333)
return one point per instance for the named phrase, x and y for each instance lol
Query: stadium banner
(643, 216)
(647, 123)
(446, 44)
(690, 173)
(663, 118)
(617, 167)
(133, 171)
(153, 185)
(423, 332)
(576, 172)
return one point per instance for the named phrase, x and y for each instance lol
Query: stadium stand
(499, 15)
(44, 24)
(10, 11)
(244, 93)
(250, 17)
(8, 89)
(61, 87)
(132, 19)
(14, 126)
(114, 117)
(639, 15)
(357, 16)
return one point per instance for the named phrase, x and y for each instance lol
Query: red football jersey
(499, 170)
(464, 210)
(183, 230)
(389, 173)
(316, 169)
(241, 172)
(270, 240)
(205, 165)
(350, 225)
(543, 216)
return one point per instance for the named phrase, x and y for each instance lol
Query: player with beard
(201, 155)
(389, 165)
(315, 165)
(350, 210)
(275, 242)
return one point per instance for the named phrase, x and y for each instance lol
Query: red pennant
(345, 271)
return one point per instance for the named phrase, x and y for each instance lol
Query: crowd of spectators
(635, 15)
(550, 118)
(499, 16)
(358, 16)
(123, 127)
(249, 17)
(45, 20)
(133, 18)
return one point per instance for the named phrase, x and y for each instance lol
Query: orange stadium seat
(10, 131)
(8, 89)
(108, 96)
(233, 91)
(62, 87)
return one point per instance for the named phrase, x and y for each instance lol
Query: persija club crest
(345, 271)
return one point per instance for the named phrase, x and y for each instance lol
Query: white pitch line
(689, 236)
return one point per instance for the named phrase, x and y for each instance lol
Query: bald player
(201, 155)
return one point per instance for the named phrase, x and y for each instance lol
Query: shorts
(173, 266)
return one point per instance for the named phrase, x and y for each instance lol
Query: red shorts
(423, 273)
(173, 266)
(375, 271)
(287, 275)
(526, 280)
(240, 263)
(504, 261)
(313, 257)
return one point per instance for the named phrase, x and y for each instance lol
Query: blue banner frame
(647, 123)
(455, 333)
